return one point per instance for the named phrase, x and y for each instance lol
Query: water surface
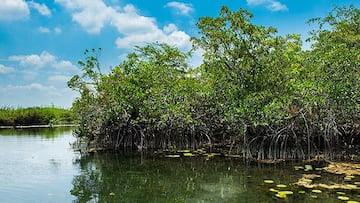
(38, 165)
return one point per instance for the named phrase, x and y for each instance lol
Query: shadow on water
(109, 177)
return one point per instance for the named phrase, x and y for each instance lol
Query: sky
(41, 41)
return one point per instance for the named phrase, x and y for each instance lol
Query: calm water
(40, 166)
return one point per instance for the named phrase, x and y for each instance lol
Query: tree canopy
(257, 93)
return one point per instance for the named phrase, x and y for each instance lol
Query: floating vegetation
(188, 154)
(316, 191)
(268, 181)
(273, 190)
(311, 176)
(344, 198)
(351, 201)
(343, 168)
(281, 186)
(172, 155)
(301, 192)
(283, 194)
(287, 192)
(341, 193)
(349, 177)
(308, 168)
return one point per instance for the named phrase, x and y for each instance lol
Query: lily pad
(273, 190)
(172, 155)
(301, 192)
(286, 192)
(268, 181)
(316, 191)
(281, 186)
(188, 154)
(344, 198)
(281, 195)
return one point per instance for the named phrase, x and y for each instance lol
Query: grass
(35, 116)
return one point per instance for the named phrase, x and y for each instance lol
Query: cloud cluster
(41, 8)
(5, 69)
(180, 8)
(34, 65)
(272, 5)
(44, 59)
(12, 10)
(133, 28)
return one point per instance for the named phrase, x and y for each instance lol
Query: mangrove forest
(257, 94)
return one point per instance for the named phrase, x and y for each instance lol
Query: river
(39, 165)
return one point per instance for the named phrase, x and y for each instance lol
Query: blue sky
(42, 40)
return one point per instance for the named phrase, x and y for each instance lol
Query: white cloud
(41, 8)
(181, 8)
(5, 69)
(91, 15)
(134, 28)
(272, 5)
(33, 60)
(44, 30)
(56, 30)
(11, 10)
(42, 60)
(170, 28)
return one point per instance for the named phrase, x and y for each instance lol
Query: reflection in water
(126, 178)
(135, 178)
(37, 165)
(44, 132)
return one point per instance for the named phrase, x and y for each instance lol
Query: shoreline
(37, 126)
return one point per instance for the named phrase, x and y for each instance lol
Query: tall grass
(34, 116)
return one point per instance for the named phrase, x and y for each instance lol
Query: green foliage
(256, 91)
(149, 98)
(34, 116)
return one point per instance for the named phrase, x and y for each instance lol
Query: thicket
(257, 92)
(34, 116)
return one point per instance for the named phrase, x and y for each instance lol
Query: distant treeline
(34, 116)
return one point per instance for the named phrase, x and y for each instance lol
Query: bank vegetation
(256, 93)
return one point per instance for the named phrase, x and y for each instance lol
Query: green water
(40, 166)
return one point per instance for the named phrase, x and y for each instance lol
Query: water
(36, 165)
(40, 166)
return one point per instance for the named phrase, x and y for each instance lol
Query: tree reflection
(110, 177)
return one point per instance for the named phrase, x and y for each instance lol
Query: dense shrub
(256, 92)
